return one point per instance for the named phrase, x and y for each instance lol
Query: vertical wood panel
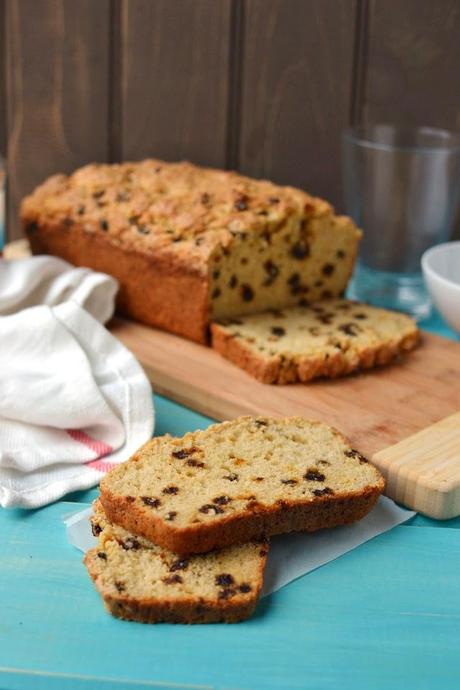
(57, 89)
(175, 79)
(296, 95)
(2, 80)
(412, 64)
(3, 125)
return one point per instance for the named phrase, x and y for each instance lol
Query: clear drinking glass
(402, 187)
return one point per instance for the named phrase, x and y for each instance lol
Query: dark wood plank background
(263, 86)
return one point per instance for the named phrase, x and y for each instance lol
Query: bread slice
(240, 480)
(143, 582)
(329, 338)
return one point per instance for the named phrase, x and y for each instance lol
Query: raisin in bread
(189, 244)
(329, 338)
(240, 480)
(141, 581)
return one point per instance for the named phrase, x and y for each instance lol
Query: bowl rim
(427, 268)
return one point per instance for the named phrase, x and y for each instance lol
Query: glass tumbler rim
(361, 135)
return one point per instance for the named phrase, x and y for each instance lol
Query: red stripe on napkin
(98, 447)
(100, 465)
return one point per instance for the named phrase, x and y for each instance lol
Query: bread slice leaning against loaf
(143, 582)
(236, 481)
(329, 338)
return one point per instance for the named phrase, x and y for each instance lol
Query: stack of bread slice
(183, 526)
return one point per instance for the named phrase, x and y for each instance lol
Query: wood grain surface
(296, 91)
(407, 65)
(174, 79)
(412, 63)
(376, 409)
(405, 417)
(261, 85)
(57, 90)
(3, 125)
(423, 470)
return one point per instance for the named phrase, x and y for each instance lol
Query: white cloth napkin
(290, 555)
(51, 281)
(73, 400)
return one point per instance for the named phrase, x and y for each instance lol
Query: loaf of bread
(240, 480)
(328, 338)
(189, 244)
(143, 582)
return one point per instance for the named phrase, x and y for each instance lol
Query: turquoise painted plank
(423, 521)
(16, 679)
(176, 420)
(385, 615)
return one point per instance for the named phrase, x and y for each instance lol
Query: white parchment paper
(291, 555)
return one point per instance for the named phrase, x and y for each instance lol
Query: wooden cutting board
(405, 417)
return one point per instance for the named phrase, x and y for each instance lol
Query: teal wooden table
(386, 615)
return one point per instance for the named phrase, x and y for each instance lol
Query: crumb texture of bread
(144, 582)
(188, 244)
(249, 478)
(329, 338)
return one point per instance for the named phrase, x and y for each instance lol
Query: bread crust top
(173, 208)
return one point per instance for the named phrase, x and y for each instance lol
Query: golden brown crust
(264, 521)
(174, 201)
(184, 610)
(284, 370)
(154, 289)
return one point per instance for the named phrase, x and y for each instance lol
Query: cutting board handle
(423, 470)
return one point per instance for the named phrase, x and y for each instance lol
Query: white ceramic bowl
(441, 270)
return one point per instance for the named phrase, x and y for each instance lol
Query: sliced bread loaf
(240, 480)
(141, 581)
(188, 244)
(329, 338)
